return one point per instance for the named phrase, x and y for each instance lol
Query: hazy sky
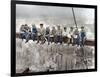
(51, 14)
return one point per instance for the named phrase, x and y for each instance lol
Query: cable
(74, 17)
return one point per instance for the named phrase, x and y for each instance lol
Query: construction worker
(41, 34)
(22, 32)
(82, 36)
(76, 37)
(65, 33)
(70, 36)
(59, 35)
(53, 35)
(28, 33)
(34, 32)
(47, 34)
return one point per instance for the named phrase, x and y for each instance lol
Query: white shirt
(70, 34)
(41, 31)
(59, 32)
(65, 33)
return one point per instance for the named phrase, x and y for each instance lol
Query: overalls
(82, 33)
(34, 34)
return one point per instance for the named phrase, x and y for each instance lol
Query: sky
(54, 15)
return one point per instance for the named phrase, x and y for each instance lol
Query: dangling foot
(48, 43)
(37, 42)
(26, 70)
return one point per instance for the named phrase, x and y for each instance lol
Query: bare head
(65, 28)
(33, 25)
(26, 25)
(58, 27)
(53, 27)
(82, 27)
(71, 28)
(22, 25)
(41, 25)
(47, 28)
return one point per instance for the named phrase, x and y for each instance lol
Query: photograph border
(13, 36)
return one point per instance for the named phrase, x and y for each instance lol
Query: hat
(33, 25)
(71, 27)
(41, 24)
(82, 27)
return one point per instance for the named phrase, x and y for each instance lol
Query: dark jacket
(34, 30)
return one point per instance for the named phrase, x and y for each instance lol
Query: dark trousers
(34, 36)
(65, 39)
(58, 39)
(28, 37)
(53, 39)
(41, 38)
(23, 35)
(48, 38)
(76, 41)
(71, 40)
(82, 42)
